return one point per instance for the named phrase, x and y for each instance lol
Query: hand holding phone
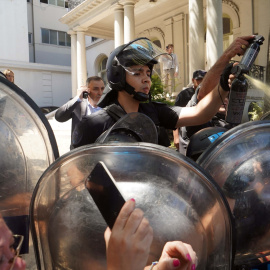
(103, 189)
(85, 94)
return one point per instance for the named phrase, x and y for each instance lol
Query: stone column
(73, 35)
(196, 36)
(214, 34)
(81, 57)
(129, 20)
(180, 48)
(118, 25)
(168, 31)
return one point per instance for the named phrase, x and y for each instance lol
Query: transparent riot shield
(239, 162)
(180, 200)
(27, 147)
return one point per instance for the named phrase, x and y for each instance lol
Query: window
(68, 40)
(157, 42)
(55, 37)
(226, 26)
(227, 31)
(30, 38)
(45, 34)
(102, 69)
(59, 3)
(62, 38)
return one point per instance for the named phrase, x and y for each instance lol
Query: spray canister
(239, 86)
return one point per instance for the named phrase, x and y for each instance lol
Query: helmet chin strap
(136, 95)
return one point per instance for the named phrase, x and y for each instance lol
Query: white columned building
(118, 25)
(81, 57)
(214, 32)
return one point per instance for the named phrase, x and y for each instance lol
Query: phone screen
(102, 187)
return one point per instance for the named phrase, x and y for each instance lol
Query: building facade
(199, 29)
(36, 47)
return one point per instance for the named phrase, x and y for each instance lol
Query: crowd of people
(129, 71)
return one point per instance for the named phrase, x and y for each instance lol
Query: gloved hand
(225, 77)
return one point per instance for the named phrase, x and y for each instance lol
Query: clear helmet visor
(142, 52)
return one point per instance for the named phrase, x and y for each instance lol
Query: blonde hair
(8, 71)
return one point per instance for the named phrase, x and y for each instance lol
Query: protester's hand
(81, 90)
(176, 255)
(238, 46)
(128, 244)
(176, 74)
(6, 252)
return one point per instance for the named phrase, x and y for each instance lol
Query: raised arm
(64, 113)
(212, 77)
(204, 110)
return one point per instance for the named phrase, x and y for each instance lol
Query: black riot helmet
(202, 139)
(140, 51)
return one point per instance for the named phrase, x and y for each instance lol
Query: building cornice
(86, 8)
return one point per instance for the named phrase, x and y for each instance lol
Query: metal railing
(257, 72)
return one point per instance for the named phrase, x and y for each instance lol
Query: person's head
(9, 75)
(129, 68)
(198, 76)
(95, 87)
(201, 140)
(169, 48)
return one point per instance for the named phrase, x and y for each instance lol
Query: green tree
(157, 90)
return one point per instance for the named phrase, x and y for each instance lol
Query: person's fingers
(180, 250)
(134, 221)
(247, 37)
(144, 232)
(169, 264)
(6, 242)
(19, 264)
(236, 46)
(107, 235)
(192, 253)
(124, 214)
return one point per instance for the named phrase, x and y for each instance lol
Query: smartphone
(103, 189)
(85, 94)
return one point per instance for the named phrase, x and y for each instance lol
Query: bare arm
(204, 110)
(212, 77)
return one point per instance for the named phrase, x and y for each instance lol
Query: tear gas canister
(238, 93)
